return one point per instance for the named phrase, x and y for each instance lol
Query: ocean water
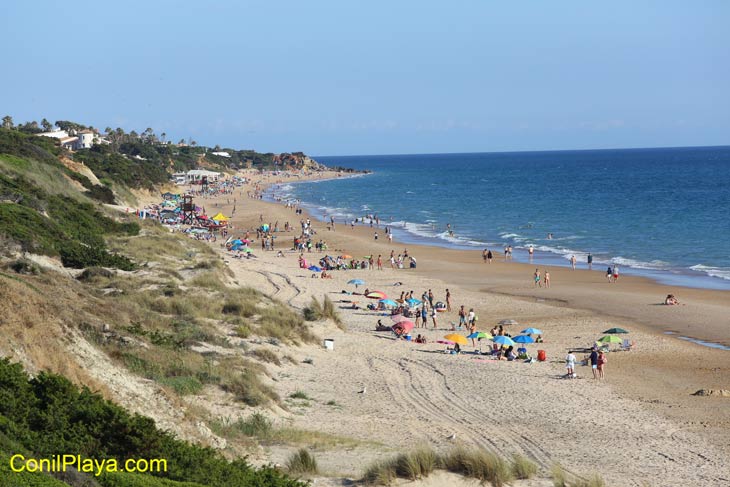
(662, 213)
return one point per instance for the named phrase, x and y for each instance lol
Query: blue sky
(376, 77)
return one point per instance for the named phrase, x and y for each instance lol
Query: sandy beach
(641, 425)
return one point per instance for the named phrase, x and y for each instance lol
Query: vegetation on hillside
(41, 215)
(47, 414)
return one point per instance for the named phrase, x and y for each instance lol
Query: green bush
(48, 414)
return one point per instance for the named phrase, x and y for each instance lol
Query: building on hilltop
(73, 140)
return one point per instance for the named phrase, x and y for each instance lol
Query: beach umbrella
(397, 318)
(314, 268)
(532, 331)
(480, 334)
(503, 340)
(376, 295)
(523, 339)
(456, 338)
(615, 331)
(406, 326)
(356, 282)
(445, 342)
(238, 241)
(611, 339)
(388, 302)
(413, 302)
(507, 322)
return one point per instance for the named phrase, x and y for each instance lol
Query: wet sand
(640, 424)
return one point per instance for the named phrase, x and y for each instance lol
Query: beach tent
(220, 217)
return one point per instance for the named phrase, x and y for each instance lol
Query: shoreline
(619, 300)
(577, 423)
(676, 277)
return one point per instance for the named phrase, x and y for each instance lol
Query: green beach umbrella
(615, 331)
(611, 339)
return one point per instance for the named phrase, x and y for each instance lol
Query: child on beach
(570, 365)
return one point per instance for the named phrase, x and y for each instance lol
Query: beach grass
(420, 463)
(258, 429)
(523, 467)
(326, 310)
(302, 462)
(266, 355)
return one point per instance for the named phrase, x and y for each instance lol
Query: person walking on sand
(448, 300)
(615, 273)
(601, 363)
(462, 316)
(380, 262)
(484, 255)
(433, 317)
(570, 365)
(489, 256)
(424, 316)
(536, 277)
(430, 298)
(546, 279)
(594, 362)
(572, 261)
(609, 274)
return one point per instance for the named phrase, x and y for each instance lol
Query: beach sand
(640, 425)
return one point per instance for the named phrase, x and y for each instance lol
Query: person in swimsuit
(536, 277)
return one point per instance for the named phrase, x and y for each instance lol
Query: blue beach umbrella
(388, 302)
(413, 302)
(314, 268)
(531, 331)
(503, 340)
(356, 282)
(523, 339)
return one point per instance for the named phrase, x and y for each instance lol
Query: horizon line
(525, 151)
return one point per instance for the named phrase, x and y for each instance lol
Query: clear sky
(376, 77)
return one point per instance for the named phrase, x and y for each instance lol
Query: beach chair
(627, 345)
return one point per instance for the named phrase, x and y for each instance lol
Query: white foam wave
(654, 265)
(509, 235)
(720, 272)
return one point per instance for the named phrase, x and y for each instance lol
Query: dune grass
(323, 311)
(522, 467)
(302, 462)
(259, 429)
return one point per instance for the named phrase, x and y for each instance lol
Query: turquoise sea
(662, 213)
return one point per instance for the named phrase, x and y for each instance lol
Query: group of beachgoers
(597, 360)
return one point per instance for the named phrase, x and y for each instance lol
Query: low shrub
(24, 266)
(94, 273)
(299, 395)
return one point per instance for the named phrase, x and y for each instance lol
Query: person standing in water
(590, 261)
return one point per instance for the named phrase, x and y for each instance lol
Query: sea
(662, 213)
